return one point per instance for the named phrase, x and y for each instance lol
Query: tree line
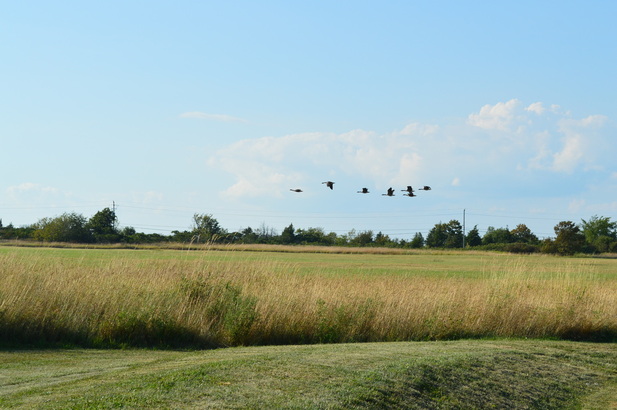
(596, 235)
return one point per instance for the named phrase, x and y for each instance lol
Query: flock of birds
(409, 191)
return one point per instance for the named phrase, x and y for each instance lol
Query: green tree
(446, 235)
(454, 232)
(127, 234)
(523, 234)
(102, 225)
(23, 232)
(417, 241)
(569, 238)
(437, 236)
(499, 235)
(548, 245)
(68, 227)
(182, 236)
(315, 236)
(249, 236)
(382, 240)
(266, 234)
(363, 238)
(473, 237)
(206, 228)
(288, 235)
(232, 237)
(599, 232)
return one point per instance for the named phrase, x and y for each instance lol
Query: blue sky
(507, 109)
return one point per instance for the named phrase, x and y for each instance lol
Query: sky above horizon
(506, 109)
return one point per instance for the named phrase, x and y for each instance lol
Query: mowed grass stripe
(459, 374)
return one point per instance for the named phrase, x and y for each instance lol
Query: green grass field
(458, 374)
(502, 329)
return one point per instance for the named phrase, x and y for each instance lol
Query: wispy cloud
(213, 117)
(31, 194)
(536, 107)
(497, 143)
(30, 187)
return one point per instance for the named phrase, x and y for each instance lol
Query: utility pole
(463, 228)
(113, 209)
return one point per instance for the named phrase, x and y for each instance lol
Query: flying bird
(425, 188)
(390, 192)
(329, 184)
(364, 191)
(408, 190)
(296, 190)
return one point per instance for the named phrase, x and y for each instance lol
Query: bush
(519, 247)
(548, 246)
(230, 313)
(143, 330)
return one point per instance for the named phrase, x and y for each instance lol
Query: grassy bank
(460, 374)
(102, 298)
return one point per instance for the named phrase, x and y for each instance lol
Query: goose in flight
(390, 192)
(364, 191)
(409, 190)
(329, 184)
(296, 190)
(425, 188)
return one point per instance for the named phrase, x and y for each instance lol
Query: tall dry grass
(199, 303)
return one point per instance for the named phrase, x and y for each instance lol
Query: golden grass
(204, 302)
(234, 247)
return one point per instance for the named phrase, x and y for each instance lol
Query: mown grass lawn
(457, 374)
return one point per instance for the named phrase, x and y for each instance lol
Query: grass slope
(458, 374)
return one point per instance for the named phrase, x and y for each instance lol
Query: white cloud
(419, 129)
(529, 140)
(265, 166)
(536, 107)
(498, 117)
(268, 165)
(581, 144)
(592, 121)
(571, 154)
(214, 117)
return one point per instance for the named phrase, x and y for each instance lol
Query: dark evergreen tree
(473, 237)
(437, 236)
(417, 241)
(288, 235)
(454, 232)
